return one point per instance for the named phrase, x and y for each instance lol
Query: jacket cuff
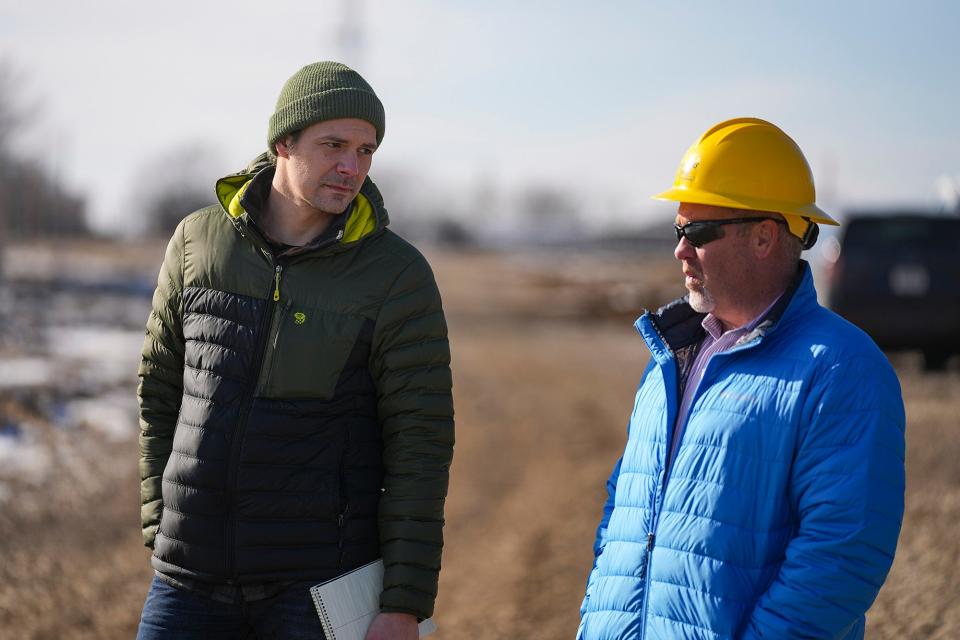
(406, 600)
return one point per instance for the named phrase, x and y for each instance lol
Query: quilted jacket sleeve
(411, 366)
(848, 491)
(161, 384)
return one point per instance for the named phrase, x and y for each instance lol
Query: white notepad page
(348, 604)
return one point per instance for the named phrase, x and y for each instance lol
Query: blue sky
(600, 98)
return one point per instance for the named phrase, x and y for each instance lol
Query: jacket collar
(679, 326)
(367, 215)
(254, 202)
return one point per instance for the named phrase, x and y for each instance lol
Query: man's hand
(393, 626)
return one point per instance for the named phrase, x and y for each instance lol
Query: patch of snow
(107, 355)
(95, 343)
(24, 458)
(114, 415)
(25, 372)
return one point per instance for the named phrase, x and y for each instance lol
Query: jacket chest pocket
(307, 351)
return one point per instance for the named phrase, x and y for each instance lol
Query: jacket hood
(367, 213)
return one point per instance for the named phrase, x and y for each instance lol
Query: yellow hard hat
(748, 163)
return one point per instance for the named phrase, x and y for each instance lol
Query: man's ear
(764, 238)
(282, 146)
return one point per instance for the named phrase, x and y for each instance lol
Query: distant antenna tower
(350, 33)
(948, 188)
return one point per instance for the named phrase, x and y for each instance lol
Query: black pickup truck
(897, 276)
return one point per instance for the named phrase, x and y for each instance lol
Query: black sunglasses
(701, 232)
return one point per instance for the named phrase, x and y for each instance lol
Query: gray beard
(701, 301)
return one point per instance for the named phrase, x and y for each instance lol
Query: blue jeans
(170, 613)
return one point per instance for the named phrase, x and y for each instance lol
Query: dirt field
(545, 365)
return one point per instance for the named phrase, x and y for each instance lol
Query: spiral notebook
(348, 604)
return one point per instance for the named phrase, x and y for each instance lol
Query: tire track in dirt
(526, 488)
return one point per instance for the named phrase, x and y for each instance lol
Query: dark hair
(291, 138)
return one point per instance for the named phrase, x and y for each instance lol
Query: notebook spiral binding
(324, 618)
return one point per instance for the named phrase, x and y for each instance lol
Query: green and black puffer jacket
(295, 412)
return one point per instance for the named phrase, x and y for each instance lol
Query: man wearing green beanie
(295, 398)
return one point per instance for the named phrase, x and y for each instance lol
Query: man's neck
(748, 310)
(287, 221)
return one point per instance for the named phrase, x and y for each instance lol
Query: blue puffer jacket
(780, 515)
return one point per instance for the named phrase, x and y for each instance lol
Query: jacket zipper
(344, 506)
(662, 490)
(276, 282)
(344, 500)
(273, 341)
(235, 445)
(658, 497)
(232, 473)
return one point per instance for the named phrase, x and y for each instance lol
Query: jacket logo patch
(299, 317)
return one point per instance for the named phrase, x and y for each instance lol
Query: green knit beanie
(324, 91)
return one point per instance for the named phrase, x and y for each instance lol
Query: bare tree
(174, 184)
(548, 213)
(10, 115)
(32, 202)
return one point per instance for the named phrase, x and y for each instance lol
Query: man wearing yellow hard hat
(760, 493)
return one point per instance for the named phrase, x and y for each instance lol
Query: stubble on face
(699, 296)
(333, 193)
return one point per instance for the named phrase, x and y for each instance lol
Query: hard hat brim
(696, 196)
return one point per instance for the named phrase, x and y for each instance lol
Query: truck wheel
(935, 360)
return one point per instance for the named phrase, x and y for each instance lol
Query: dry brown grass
(545, 365)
